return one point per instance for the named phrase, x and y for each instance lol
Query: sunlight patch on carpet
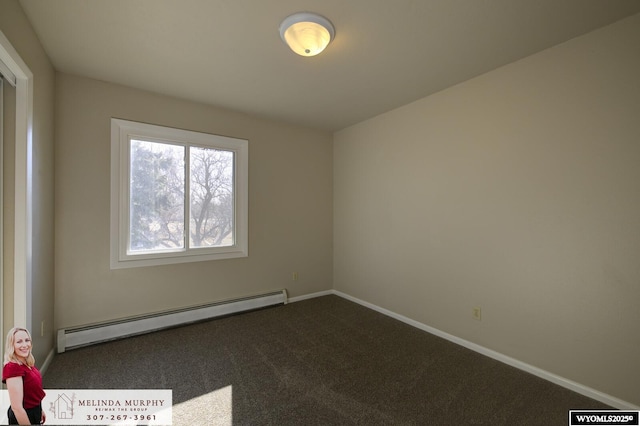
(213, 408)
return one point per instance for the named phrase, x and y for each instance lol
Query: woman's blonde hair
(10, 349)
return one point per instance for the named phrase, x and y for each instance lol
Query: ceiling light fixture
(306, 33)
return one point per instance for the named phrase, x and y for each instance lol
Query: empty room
(323, 212)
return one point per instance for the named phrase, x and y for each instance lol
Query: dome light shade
(306, 33)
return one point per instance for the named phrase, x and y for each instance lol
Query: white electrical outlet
(294, 276)
(477, 313)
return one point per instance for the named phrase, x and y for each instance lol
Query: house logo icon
(62, 407)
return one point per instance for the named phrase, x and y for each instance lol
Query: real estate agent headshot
(24, 381)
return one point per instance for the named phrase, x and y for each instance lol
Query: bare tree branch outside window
(211, 197)
(157, 196)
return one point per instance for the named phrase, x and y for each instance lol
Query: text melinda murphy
(104, 406)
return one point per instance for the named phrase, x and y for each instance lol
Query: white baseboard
(543, 374)
(84, 335)
(311, 296)
(47, 361)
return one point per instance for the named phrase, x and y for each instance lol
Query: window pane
(212, 200)
(177, 195)
(156, 207)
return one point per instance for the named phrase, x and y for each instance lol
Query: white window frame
(122, 132)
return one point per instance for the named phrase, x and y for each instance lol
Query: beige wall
(15, 26)
(518, 192)
(290, 208)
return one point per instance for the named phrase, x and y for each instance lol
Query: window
(176, 195)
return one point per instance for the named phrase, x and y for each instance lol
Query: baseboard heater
(76, 337)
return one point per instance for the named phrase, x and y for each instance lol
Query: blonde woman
(24, 381)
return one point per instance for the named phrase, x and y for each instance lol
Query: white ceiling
(228, 53)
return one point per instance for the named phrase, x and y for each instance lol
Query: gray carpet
(323, 361)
